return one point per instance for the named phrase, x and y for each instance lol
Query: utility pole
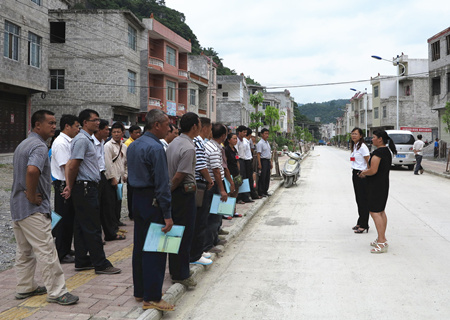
(210, 87)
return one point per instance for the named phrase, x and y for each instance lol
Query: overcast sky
(297, 42)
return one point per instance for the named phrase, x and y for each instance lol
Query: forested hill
(327, 111)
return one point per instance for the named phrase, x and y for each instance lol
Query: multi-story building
(23, 65)
(286, 121)
(233, 105)
(439, 76)
(415, 113)
(166, 69)
(202, 86)
(357, 115)
(94, 62)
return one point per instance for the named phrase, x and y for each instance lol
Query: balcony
(154, 103)
(155, 63)
(183, 75)
(181, 109)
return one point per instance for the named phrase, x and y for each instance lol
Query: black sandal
(361, 230)
(355, 227)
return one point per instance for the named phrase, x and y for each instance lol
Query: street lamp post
(365, 108)
(395, 62)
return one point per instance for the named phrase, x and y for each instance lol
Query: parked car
(404, 141)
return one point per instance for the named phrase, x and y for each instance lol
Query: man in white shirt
(418, 151)
(116, 173)
(264, 163)
(63, 231)
(244, 153)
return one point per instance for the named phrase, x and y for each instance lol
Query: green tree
(255, 101)
(446, 117)
(272, 115)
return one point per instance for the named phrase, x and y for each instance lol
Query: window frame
(447, 38)
(376, 92)
(57, 78)
(192, 97)
(132, 38)
(171, 91)
(132, 76)
(11, 41)
(436, 86)
(436, 50)
(376, 113)
(170, 54)
(34, 50)
(448, 82)
(384, 110)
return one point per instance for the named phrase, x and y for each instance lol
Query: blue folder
(55, 219)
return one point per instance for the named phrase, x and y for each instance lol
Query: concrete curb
(443, 174)
(176, 291)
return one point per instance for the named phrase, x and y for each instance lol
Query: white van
(404, 141)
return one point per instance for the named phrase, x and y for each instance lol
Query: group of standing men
(171, 179)
(173, 182)
(78, 165)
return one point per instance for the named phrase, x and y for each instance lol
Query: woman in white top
(359, 159)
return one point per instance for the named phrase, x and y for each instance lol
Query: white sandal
(379, 249)
(374, 243)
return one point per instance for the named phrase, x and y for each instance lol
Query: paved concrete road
(299, 258)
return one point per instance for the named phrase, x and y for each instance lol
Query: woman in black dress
(233, 163)
(378, 185)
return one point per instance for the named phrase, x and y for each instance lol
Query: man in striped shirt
(204, 182)
(213, 152)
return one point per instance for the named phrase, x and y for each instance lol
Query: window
(57, 32)
(192, 97)
(435, 50)
(353, 106)
(57, 79)
(225, 94)
(131, 81)
(11, 41)
(408, 91)
(375, 91)
(171, 53)
(447, 38)
(38, 2)
(362, 117)
(436, 86)
(265, 104)
(448, 82)
(219, 86)
(384, 112)
(375, 113)
(34, 50)
(132, 37)
(171, 87)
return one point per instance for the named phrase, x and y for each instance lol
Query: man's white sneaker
(203, 261)
(207, 255)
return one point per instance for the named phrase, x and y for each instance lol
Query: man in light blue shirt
(83, 176)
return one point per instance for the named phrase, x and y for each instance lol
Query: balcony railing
(182, 73)
(156, 62)
(154, 102)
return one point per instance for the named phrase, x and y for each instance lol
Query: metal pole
(365, 108)
(398, 80)
(211, 78)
